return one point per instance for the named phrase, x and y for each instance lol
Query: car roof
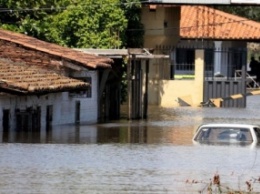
(228, 125)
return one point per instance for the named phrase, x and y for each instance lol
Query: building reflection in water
(101, 134)
(77, 134)
(130, 134)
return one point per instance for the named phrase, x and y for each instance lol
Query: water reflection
(164, 126)
(124, 132)
(150, 156)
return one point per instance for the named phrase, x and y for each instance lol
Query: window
(185, 58)
(83, 93)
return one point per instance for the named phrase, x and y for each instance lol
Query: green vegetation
(250, 12)
(75, 23)
(184, 76)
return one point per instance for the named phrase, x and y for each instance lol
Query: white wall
(64, 105)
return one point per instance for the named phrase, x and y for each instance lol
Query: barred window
(185, 58)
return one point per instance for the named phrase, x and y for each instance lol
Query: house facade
(221, 36)
(43, 84)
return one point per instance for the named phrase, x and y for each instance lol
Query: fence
(219, 62)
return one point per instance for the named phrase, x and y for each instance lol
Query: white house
(44, 84)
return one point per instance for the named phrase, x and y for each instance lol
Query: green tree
(133, 37)
(72, 23)
(28, 16)
(250, 12)
(92, 23)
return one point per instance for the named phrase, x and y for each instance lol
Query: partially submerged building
(216, 40)
(44, 84)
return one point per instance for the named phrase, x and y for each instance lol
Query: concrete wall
(161, 26)
(161, 30)
(64, 105)
(184, 92)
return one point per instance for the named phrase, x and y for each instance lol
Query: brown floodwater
(147, 156)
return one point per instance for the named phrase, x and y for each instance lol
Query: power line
(176, 28)
(189, 27)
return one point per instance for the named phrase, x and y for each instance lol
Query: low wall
(179, 93)
(184, 92)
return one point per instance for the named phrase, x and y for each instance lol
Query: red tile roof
(19, 78)
(207, 23)
(87, 60)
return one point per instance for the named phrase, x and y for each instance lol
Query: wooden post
(134, 94)
(146, 89)
(129, 85)
(172, 63)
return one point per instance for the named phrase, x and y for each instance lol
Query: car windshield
(224, 134)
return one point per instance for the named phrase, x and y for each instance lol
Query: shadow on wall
(174, 93)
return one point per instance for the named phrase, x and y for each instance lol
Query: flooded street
(151, 156)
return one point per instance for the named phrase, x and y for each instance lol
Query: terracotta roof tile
(88, 60)
(25, 79)
(205, 22)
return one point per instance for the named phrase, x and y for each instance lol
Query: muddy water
(151, 156)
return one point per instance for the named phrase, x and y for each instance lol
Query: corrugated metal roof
(140, 53)
(207, 23)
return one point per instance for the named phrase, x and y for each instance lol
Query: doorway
(77, 112)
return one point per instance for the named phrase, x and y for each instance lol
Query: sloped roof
(24, 79)
(208, 23)
(87, 60)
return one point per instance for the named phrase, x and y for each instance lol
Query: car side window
(203, 134)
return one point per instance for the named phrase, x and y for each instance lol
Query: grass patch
(184, 76)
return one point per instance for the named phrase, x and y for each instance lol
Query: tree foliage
(250, 12)
(135, 29)
(28, 16)
(90, 24)
(72, 23)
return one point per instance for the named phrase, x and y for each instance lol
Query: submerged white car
(227, 134)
